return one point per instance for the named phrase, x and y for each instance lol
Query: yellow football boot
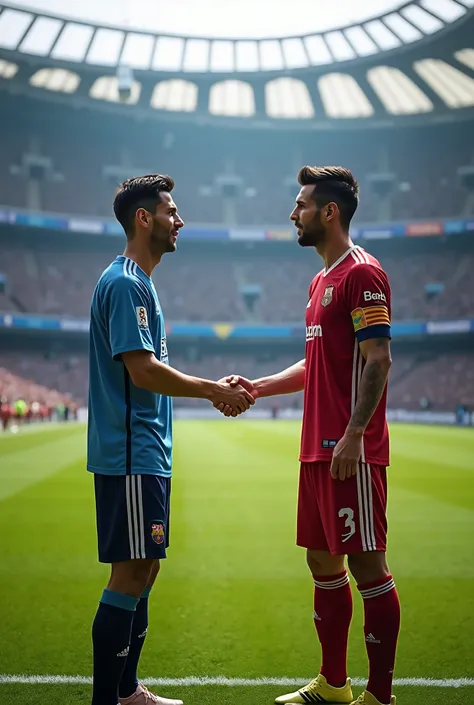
(318, 691)
(367, 698)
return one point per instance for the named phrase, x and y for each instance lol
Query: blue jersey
(129, 429)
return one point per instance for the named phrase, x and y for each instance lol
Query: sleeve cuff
(132, 347)
(377, 331)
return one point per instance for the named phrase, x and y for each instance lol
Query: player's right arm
(147, 372)
(128, 308)
(287, 381)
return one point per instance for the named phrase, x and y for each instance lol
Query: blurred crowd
(24, 400)
(209, 285)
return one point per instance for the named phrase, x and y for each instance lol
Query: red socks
(332, 618)
(382, 624)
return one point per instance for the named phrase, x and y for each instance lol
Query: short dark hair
(139, 192)
(332, 183)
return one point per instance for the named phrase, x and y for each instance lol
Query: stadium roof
(203, 36)
(416, 62)
(241, 19)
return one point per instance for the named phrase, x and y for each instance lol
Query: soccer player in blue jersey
(129, 433)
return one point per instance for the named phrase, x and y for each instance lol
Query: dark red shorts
(342, 517)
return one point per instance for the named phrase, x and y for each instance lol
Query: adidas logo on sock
(316, 617)
(371, 639)
(123, 653)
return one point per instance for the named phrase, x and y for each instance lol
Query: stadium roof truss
(380, 69)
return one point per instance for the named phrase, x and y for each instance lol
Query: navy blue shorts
(133, 516)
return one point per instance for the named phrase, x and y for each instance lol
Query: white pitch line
(20, 679)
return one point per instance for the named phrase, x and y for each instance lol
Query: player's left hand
(346, 456)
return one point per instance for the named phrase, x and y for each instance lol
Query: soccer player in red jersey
(345, 442)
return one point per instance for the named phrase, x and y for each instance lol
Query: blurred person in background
(21, 410)
(130, 434)
(6, 412)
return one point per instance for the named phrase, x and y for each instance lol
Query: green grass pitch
(234, 598)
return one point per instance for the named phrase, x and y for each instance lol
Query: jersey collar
(341, 258)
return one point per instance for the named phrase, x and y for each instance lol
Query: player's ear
(331, 210)
(142, 216)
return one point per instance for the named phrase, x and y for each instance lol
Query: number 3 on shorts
(348, 514)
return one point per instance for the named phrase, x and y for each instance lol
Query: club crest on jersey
(158, 532)
(327, 296)
(142, 316)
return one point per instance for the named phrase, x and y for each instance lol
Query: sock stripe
(332, 584)
(118, 599)
(379, 590)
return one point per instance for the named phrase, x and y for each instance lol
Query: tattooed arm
(374, 378)
(376, 352)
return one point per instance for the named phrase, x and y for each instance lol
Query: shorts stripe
(136, 524)
(128, 490)
(371, 507)
(365, 505)
(140, 517)
(366, 508)
(135, 516)
(361, 512)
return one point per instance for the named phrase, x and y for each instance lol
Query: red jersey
(348, 303)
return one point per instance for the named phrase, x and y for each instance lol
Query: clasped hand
(234, 395)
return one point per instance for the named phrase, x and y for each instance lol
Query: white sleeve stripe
(359, 255)
(354, 257)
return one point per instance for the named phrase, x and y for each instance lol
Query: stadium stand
(85, 159)
(204, 284)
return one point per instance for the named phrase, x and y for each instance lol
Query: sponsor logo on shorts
(329, 443)
(158, 532)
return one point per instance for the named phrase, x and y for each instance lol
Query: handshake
(233, 395)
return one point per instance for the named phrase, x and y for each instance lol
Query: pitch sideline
(19, 679)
